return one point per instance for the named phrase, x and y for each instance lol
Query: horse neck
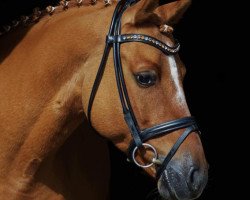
(37, 61)
(52, 51)
(69, 36)
(43, 58)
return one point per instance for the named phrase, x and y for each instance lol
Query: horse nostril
(194, 179)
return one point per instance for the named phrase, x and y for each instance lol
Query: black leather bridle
(115, 39)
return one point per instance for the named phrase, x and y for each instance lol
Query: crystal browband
(145, 39)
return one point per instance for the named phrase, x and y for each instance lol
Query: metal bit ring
(149, 164)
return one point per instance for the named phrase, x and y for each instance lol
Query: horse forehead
(141, 54)
(137, 50)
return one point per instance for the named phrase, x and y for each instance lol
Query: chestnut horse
(48, 150)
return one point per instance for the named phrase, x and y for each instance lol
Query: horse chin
(165, 190)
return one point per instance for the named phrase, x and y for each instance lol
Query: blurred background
(208, 90)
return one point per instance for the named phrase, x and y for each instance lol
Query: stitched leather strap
(167, 127)
(163, 129)
(174, 150)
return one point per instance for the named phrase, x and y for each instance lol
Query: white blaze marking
(175, 77)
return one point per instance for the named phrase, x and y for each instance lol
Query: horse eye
(146, 79)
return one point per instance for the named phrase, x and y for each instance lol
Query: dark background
(210, 91)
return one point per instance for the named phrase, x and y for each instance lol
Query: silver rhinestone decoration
(153, 41)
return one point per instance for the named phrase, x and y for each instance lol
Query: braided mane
(50, 10)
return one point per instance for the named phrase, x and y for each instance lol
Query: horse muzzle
(182, 180)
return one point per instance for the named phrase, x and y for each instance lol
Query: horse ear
(171, 13)
(158, 11)
(143, 12)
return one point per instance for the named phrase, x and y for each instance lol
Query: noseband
(115, 39)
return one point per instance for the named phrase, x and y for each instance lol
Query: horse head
(151, 92)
